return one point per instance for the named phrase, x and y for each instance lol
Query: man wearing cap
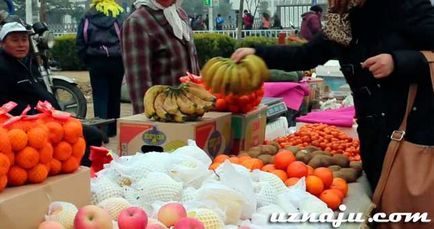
(21, 81)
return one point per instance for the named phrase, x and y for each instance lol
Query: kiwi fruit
(303, 155)
(341, 160)
(311, 149)
(357, 165)
(268, 149)
(348, 174)
(254, 152)
(276, 145)
(243, 153)
(320, 152)
(321, 161)
(335, 167)
(266, 158)
(293, 149)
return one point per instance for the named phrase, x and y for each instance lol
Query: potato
(268, 149)
(266, 158)
(304, 156)
(293, 149)
(335, 167)
(357, 165)
(341, 160)
(320, 161)
(254, 152)
(348, 174)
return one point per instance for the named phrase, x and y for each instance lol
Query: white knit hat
(11, 27)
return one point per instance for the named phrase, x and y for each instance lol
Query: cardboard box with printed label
(248, 130)
(25, 207)
(212, 133)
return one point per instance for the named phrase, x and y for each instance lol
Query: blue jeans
(106, 76)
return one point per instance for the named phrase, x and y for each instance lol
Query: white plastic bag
(188, 170)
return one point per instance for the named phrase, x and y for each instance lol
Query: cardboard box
(212, 133)
(24, 207)
(248, 130)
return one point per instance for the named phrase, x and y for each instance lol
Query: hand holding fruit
(240, 53)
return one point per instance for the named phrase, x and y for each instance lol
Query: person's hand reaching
(380, 66)
(240, 53)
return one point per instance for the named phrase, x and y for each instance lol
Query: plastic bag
(188, 170)
(241, 183)
(194, 151)
(226, 199)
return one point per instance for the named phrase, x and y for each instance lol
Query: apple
(50, 225)
(92, 217)
(170, 213)
(132, 218)
(189, 223)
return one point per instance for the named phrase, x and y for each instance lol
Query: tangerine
(314, 185)
(3, 182)
(252, 164)
(234, 160)
(18, 139)
(338, 192)
(297, 169)
(55, 167)
(70, 165)
(62, 151)
(221, 158)
(5, 164)
(37, 137)
(281, 174)
(340, 184)
(79, 148)
(332, 199)
(46, 153)
(244, 157)
(325, 174)
(282, 159)
(73, 129)
(292, 181)
(38, 174)
(27, 158)
(310, 170)
(5, 146)
(11, 157)
(55, 132)
(268, 168)
(17, 176)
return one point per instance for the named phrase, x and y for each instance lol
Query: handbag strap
(398, 135)
(392, 149)
(429, 55)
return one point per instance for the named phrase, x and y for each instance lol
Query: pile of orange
(35, 147)
(319, 182)
(244, 160)
(326, 137)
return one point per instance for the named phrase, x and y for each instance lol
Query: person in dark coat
(23, 84)
(99, 47)
(311, 23)
(380, 58)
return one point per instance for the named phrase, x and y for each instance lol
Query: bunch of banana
(185, 102)
(225, 76)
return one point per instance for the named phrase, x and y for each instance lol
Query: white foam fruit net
(157, 186)
(208, 217)
(114, 206)
(103, 188)
(63, 213)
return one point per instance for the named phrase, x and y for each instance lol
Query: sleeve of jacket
(80, 43)
(137, 61)
(418, 26)
(294, 58)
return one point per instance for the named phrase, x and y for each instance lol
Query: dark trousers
(106, 76)
(93, 137)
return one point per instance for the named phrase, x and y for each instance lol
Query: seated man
(22, 82)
